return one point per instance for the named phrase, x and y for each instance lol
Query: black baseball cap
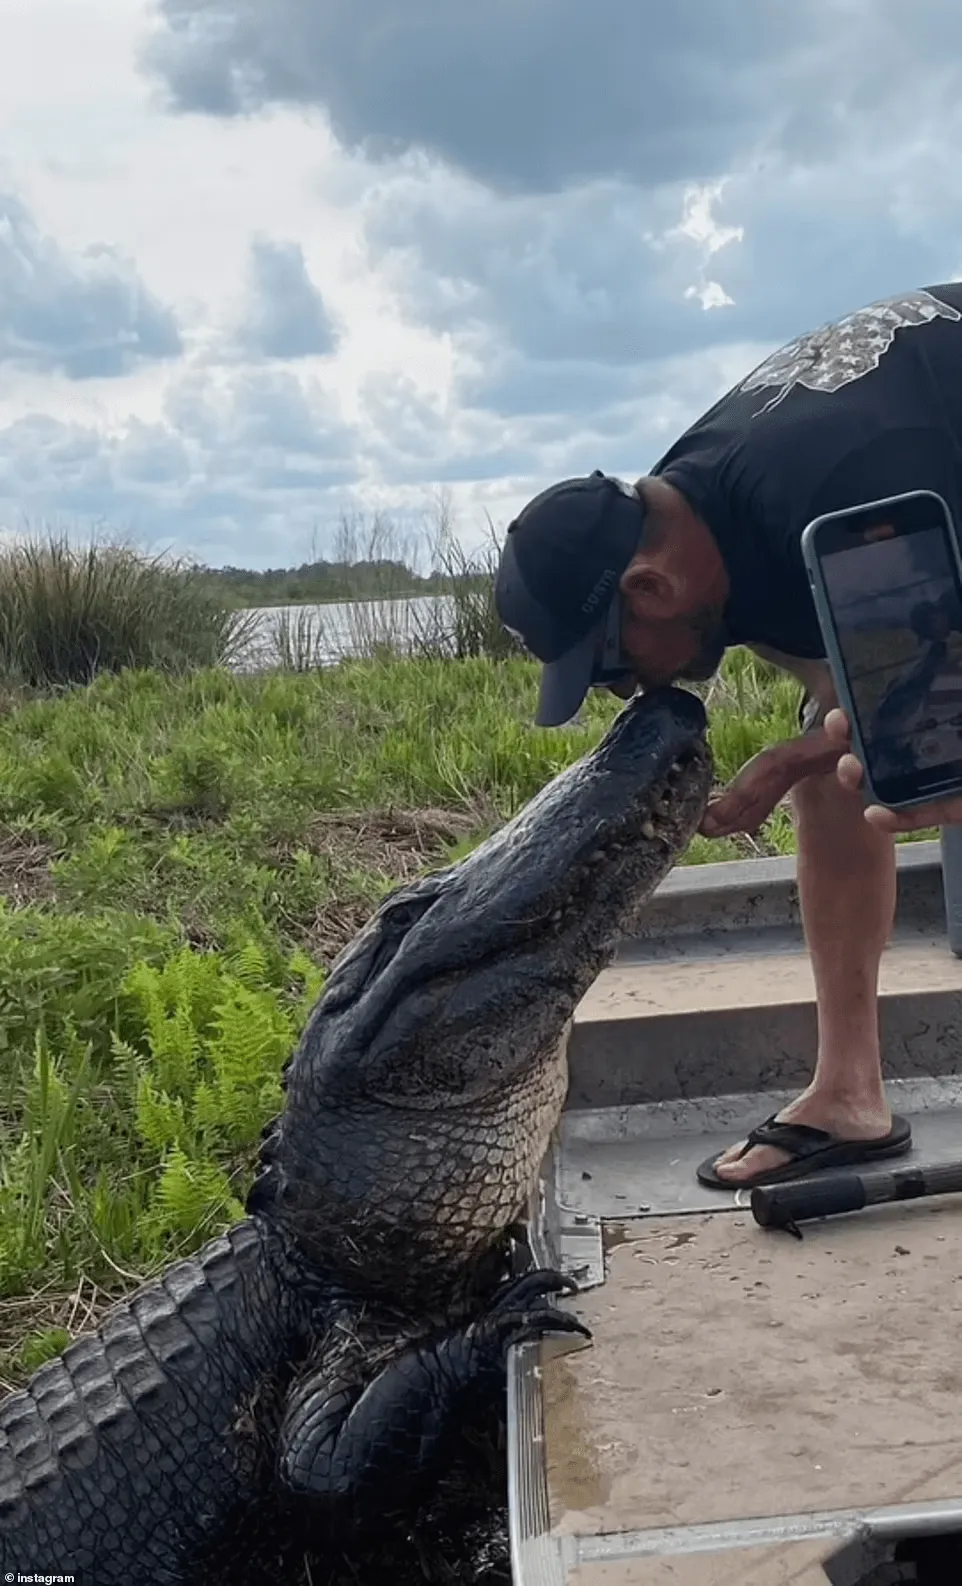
(557, 585)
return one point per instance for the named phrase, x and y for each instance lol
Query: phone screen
(897, 605)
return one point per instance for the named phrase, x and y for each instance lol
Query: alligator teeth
(597, 857)
(648, 829)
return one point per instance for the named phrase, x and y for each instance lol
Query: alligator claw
(519, 1292)
(531, 1327)
(347, 1447)
(521, 1312)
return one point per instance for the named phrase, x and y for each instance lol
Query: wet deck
(738, 1374)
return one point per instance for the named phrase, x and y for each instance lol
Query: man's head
(614, 586)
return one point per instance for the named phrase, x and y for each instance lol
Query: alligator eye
(406, 912)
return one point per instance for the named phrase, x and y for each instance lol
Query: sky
(267, 264)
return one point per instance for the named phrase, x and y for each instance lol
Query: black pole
(828, 1194)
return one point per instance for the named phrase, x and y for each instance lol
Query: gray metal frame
(950, 841)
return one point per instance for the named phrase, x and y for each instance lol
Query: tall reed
(67, 614)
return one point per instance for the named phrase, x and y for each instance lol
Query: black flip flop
(812, 1150)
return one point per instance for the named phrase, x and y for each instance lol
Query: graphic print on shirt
(838, 353)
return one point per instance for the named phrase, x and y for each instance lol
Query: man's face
(672, 597)
(688, 649)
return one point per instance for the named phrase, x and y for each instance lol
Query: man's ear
(649, 591)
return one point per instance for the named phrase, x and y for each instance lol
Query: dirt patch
(390, 846)
(24, 869)
(382, 839)
(78, 1310)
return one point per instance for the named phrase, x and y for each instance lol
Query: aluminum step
(717, 995)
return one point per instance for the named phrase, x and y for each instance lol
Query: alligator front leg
(363, 1448)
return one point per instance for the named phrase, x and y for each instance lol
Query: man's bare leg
(846, 878)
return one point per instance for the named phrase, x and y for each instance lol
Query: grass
(67, 614)
(183, 850)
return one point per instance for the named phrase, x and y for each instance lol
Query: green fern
(192, 1198)
(40, 1347)
(254, 1040)
(312, 981)
(161, 1119)
(249, 965)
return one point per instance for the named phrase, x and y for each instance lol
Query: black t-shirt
(866, 407)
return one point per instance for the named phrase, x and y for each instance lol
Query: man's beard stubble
(711, 631)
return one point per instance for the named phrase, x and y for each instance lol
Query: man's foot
(871, 1121)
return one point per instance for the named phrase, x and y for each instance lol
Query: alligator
(303, 1373)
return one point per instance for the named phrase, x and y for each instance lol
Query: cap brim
(565, 682)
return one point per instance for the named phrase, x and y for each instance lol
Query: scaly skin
(119, 1452)
(307, 1371)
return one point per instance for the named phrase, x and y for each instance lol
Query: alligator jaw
(424, 1090)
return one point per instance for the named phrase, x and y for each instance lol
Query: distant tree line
(373, 557)
(315, 583)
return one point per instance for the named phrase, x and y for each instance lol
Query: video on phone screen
(899, 621)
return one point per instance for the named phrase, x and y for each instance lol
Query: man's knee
(819, 698)
(830, 822)
(811, 714)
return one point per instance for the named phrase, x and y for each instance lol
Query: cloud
(245, 465)
(267, 431)
(86, 314)
(615, 184)
(597, 272)
(411, 437)
(150, 457)
(535, 95)
(285, 316)
(523, 94)
(252, 459)
(37, 451)
(611, 274)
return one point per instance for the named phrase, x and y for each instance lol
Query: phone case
(826, 620)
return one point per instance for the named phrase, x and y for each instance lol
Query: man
(628, 587)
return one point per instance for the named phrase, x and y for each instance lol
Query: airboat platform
(753, 1410)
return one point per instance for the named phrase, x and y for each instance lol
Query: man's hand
(943, 812)
(750, 798)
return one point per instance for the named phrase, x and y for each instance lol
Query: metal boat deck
(752, 1409)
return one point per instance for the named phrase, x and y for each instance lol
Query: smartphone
(887, 583)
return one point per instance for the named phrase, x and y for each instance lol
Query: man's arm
(750, 798)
